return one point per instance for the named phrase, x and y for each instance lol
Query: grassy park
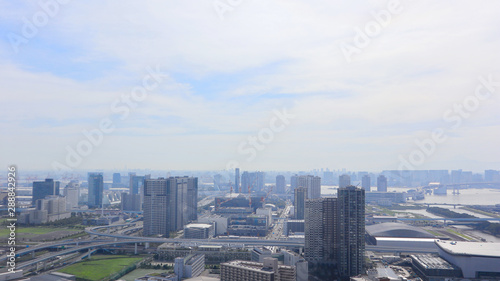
(100, 266)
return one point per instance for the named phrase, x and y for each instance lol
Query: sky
(260, 85)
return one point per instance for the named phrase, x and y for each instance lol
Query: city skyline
(307, 85)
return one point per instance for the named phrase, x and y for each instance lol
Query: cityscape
(238, 140)
(253, 225)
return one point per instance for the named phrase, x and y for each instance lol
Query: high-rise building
(72, 193)
(237, 180)
(294, 180)
(117, 179)
(365, 182)
(328, 178)
(169, 204)
(252, 181)
(135, 183)
(350, 231)
(280, 184)
(313, 185)
(320, 218)
(344, 180)
(131, 202)
(41, 189)
(381, 183)
(157, 203)
(299, 203)
(96, 185)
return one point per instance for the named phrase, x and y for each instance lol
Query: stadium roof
(394, 229)
(470, 248)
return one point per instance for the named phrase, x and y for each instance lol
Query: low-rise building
(269, 270)
(434, 268)
(190, 266)
(199, 231)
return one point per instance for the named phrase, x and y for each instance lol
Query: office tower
(299, 203)
(252, 181)
(344, 180)
(320, 219)
(169, 204)
(157, 203)
(237, 180)
(350, 231)
(381, 183)
(280, 184)
(117, 179)
(365, 182)
(294, 180)
(313, 185)
(44, 188)
(96, 184)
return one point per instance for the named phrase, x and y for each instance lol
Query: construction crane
(267, 194)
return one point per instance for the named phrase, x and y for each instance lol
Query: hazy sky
(264, 85)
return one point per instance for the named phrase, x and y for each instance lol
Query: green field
(139, 273)
(100, 266)
(32, 230)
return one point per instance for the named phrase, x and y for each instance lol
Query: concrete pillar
(135, 249)
(146, 245)
(90, 254)
(33, 254)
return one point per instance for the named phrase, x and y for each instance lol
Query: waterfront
(472, 196)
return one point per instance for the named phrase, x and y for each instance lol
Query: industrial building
(475, 259)
(430, 267)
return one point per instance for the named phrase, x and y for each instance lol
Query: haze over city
(189, 85)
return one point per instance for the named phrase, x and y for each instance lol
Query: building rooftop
(394, 229)
(432, 262)
(198, 225)
(470, 248)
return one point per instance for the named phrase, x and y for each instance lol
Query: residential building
(252, 181)
(313, 185)
(350, 231)
(299, 203)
